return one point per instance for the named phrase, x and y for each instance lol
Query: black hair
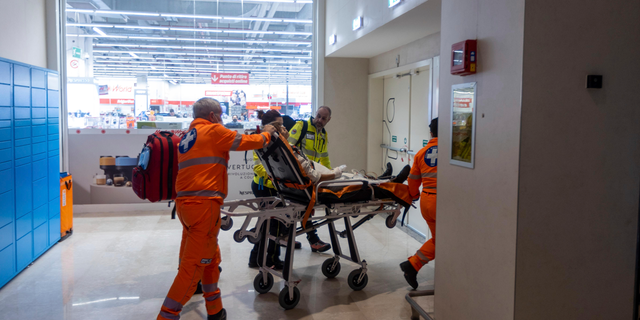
(171, 110)
(434, 127)
(269, 116)
(288, 122)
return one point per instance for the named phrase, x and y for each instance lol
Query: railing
(393, 148)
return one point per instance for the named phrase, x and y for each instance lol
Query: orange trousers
(199, 257)
(428, 250)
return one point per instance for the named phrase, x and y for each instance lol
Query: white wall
(23, 37)
(345, 92)
(477, 208)
(580, 161)
(419, 50)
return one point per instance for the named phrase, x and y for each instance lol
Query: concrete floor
(121, 265)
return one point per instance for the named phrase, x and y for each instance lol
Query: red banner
(217, 93)
(229, 78)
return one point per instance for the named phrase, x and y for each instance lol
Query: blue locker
(40, 239)
(5, 72)
(21, 75)
(7, 264)
(40, 215)
(54, 178)
(30, 215)
(38, 98)
(24, 251)
(21, 96)
(24, 190)
(54, 228)
(24, 225)
(5, 95)
(38, 78)
(6, 235)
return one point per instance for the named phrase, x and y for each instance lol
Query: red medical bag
(155, 176)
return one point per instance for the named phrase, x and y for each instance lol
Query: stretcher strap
(309, 207)
(298, 186)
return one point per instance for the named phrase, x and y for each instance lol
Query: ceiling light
(193, 16)
(393, 3)
(131, 13)
(357, 23)
(332, 39)
(134, 55)
(99, 31)
(195, 29)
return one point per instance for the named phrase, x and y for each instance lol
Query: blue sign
(431, 157)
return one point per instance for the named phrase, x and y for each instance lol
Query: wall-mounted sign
(393, 3)
(229, 78)
(394, 139)
(74, 64)
(76, 52)
(463, 124)
(425, 143)
(103, 90)
(217, 93)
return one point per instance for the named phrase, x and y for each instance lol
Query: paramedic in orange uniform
(201, 186)
(425, 172)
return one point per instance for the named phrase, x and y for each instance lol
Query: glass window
(144, 63)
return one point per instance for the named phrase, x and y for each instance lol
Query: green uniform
(314, 144)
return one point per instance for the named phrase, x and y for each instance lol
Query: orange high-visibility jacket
(203, 154)
(425, 170)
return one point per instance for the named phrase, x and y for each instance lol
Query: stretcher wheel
(253, 240)
(353, 280)
(390, 222)
(285, 301)
(227, 223)
(237, 237)
(260, 286)
(326, 268)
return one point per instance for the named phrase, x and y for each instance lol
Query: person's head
(270, 116)
(151, 112)
(171, 112)
(322, 117)
(208, 109)
(280, 128)
(433, 127)
(235, 119)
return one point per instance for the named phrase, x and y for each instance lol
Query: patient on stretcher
(319, 173)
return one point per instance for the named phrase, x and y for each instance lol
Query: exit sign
(425, 143)
(394, 138)
(77, 52)
(393, 3)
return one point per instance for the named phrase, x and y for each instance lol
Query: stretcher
(297, 199)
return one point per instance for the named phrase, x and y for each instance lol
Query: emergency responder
(262, 186)
(201, 186)
(425, 171)
(310, 137)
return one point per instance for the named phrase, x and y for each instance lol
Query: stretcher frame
(291, 211)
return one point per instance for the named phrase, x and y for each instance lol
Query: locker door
(396, 117)
(419, 135)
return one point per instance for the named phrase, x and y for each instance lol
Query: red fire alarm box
(463, 58)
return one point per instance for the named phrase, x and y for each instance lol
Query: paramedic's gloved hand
(338, 171)
(269, 128)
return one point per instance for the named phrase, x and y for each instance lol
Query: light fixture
(190, 16)
(357, 23)
(133, 55)
(332, 39)
(393, 3)
(98, 31)
(127, 13)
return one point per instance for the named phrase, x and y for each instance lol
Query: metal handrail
(416, 310)
(411, 152)
(393, 148)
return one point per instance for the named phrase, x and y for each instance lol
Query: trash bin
(66, 205)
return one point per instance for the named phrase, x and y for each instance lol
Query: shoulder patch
(294, 131)
(431, 156)
(188, 140)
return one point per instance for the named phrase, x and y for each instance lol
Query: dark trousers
(276, 228)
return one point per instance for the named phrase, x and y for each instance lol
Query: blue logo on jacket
(431, 157)
(188, 141)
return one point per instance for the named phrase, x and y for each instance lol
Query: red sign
(217, 93)
(74, 64)
(229, 78)
(157, 102)
(116, 101)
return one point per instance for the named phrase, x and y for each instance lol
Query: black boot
(402, 176)
(387, 173)
(410, 274)
(222, 315)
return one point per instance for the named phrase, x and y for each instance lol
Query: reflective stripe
(432, 188)
(257, 162)
(264, 140)
(429, 175)
(202, 160)
(213, 297)
(422, 258)
(172, 304)
(236, 142)
(414, 177)
(292, 141)
(313, 153)
(169, 316)
(201, 193)
(209, 287)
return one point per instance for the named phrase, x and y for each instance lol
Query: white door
(395, 115)
(419, 133)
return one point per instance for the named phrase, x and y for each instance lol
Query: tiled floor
(120, 266)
